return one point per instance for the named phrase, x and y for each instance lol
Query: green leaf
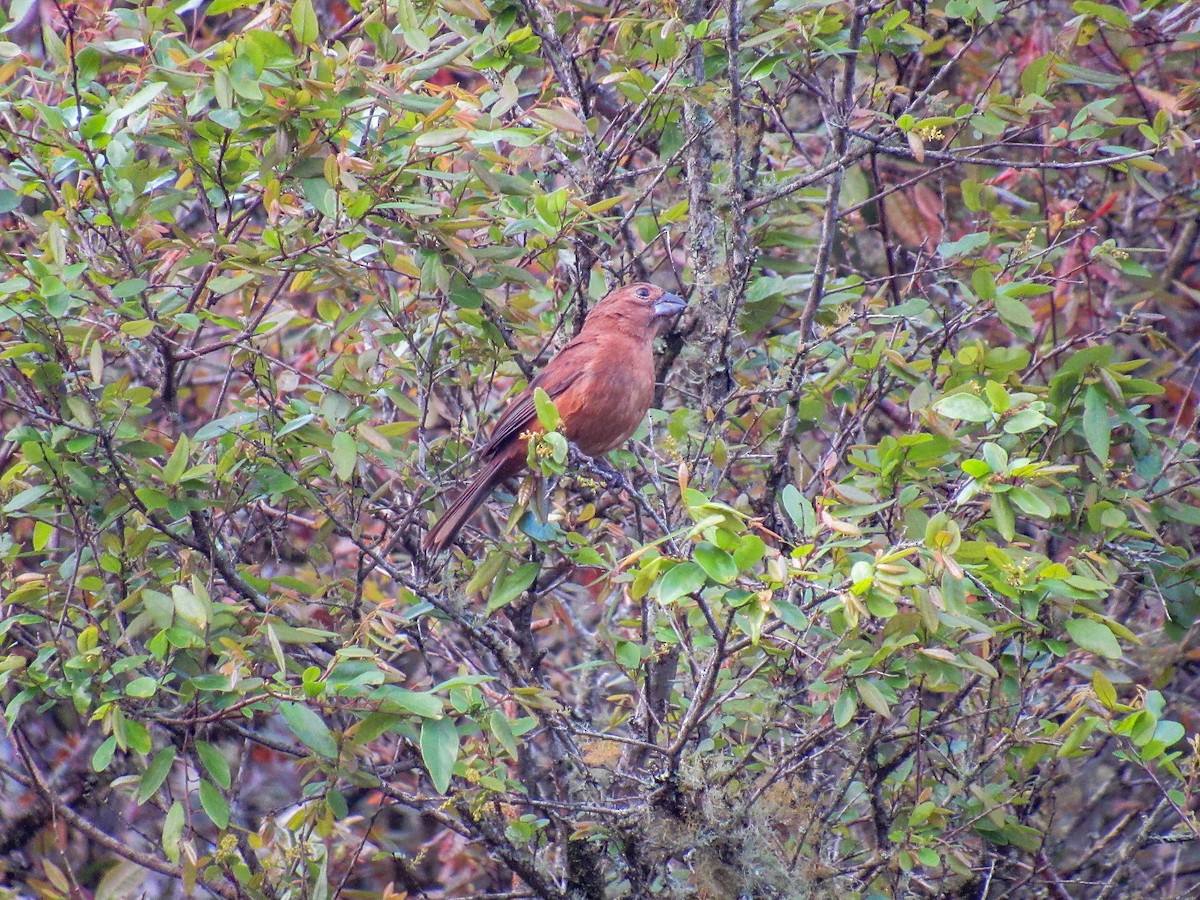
(683, 579)
(178, 461)
(172, 832)
(1169, 732)
(500, 727)
(984, 283)
(276, 648)
(1025, 420)
(229, 119)
(558, 446)
(425, 705)
(310, 729)
(1081, 75)
(1030, 503)
(156, 773)
(1095, 637)
(750, 551)
(42, 533)
(965, 407)
(1014, 313)
(141, 99)
(215, 764)
(995, 456)
(104, 754)
(845, 708)
(716, 562)
(225, 425)
(223, 6)
(137, 736)
(486, 572)
(979, 664)
(870, 694)
(27, 497)
(1100, 355)
(1077, 738)
(1096, 427)
(799, 509)
(431, 64)
(227, 284)
(129, 288)
(968, 243)
(998, 397)
(1104, 690)
(142, 687)
(17, 12)
(138, 328)
(1003, 518)
(512, 586)
(216, 807)
(304, 21)
(1110, 13)
(628, 654)
(416, 38)
(191, 607)
(547, 412)
(465, 296)
(345, 455)
(378, 723)
(439, 751)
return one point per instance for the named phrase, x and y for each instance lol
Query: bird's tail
(442, 534)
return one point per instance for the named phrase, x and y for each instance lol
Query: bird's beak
(668, 305)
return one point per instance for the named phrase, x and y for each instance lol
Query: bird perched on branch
(602, 384)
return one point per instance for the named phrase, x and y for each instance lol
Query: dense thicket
(903, 600)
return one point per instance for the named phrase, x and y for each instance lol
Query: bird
(601, 382)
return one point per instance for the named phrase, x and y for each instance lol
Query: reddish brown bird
(602, 383)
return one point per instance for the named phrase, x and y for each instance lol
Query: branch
(145, 860)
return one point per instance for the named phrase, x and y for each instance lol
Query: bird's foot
(597, 466)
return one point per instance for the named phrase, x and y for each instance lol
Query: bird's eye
(643, 293)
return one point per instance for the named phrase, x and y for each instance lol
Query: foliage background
(903, 602)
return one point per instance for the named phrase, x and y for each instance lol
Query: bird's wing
(563, 371)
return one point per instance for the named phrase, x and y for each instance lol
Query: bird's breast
(611, 401)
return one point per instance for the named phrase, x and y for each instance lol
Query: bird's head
(640, 304)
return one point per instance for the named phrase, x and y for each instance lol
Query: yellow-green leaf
(178, 461)
(439, 750)
(870, 694)
(1095, 637)
(172, 832)
(304, 21)
(345, 455)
